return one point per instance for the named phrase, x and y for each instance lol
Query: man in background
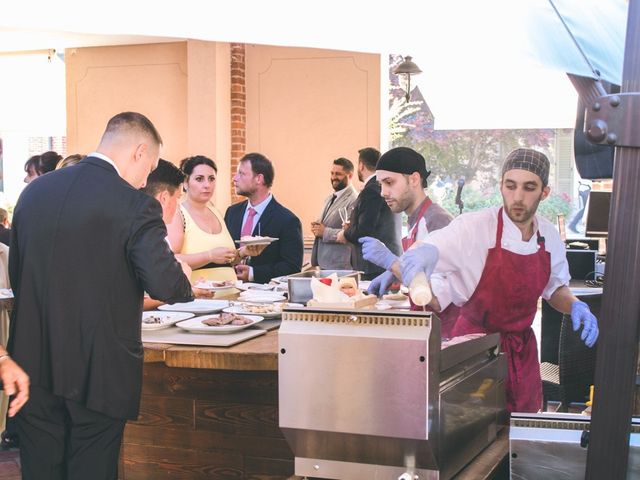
(371, 216)
(86, 244)
(327, 253)
(262, 215)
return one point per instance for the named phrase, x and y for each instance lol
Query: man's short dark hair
(369, 156)
(48, 162)
(345, 163)
(133, 121)
(166, 176)
(260, 165)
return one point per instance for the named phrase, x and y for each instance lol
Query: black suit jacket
(85, 245)
(283, 257)
(5, 235)
(371, 217)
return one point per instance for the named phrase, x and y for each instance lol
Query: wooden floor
(10, 465)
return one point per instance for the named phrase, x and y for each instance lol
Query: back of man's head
(369, 156)
(127, 123)
(166, 176)
(4, 216)
(48, 162)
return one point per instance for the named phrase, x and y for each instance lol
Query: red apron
(449, 315)
(506, 301)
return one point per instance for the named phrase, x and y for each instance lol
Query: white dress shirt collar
(366, 180)
(102, 156)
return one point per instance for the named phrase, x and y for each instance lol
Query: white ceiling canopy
(488, 64)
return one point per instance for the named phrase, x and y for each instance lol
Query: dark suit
(283, 257)
(5, 235)
(371, 217)
(85, 246)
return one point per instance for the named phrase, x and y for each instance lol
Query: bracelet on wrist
(3, 356)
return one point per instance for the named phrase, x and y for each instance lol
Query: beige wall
(183, 88)
(306, 107)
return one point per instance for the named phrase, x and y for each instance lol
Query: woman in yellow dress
(198, 234)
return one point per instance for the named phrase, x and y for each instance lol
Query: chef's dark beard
(340, 185)
(528, 213)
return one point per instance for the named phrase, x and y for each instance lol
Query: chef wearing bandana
(495, 264)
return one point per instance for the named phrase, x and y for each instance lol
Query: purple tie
(247, 228)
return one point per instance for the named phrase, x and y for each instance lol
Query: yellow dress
(196, 240)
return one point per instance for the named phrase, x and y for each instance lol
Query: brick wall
(238, 111)
(39, 145)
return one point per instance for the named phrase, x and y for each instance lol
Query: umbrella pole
(616, 363)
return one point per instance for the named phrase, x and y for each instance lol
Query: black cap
(404, 160)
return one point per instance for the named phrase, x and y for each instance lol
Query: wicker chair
(568, 381)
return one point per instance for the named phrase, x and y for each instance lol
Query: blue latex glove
(581, 315)
(381, 284)
(374, 251)
(422, 258)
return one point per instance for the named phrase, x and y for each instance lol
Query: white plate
(195, 325)
(243, 309)
(257, 241)
(259, 296)
(255, 286)
(210, 285)
(168, 319)
(6, 293)
(199, 306)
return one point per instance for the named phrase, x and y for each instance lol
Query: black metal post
(618, 345)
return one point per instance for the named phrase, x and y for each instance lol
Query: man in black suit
(262, 215)
(371, 216)
(86, 244)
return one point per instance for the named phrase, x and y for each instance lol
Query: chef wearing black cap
(402, 174)
(495, 264)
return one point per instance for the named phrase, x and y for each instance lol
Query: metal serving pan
(300, 283)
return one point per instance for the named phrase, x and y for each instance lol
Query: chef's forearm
(562, 299)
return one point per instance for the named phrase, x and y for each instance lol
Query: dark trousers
(63, 440)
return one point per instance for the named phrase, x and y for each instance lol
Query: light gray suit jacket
(326, 253)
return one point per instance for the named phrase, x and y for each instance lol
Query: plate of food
(266, 310)
(214, 285)
(199, 306)
(220, 323)
(255, 240)
(157, 320)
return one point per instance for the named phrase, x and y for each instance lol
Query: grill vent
(358, 319)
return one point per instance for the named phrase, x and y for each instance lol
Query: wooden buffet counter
(211, 412)
(208, 412)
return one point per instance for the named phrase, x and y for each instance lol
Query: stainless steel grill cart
(370, 394)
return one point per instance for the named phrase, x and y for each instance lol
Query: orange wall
(305, 108)
(183, 87)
